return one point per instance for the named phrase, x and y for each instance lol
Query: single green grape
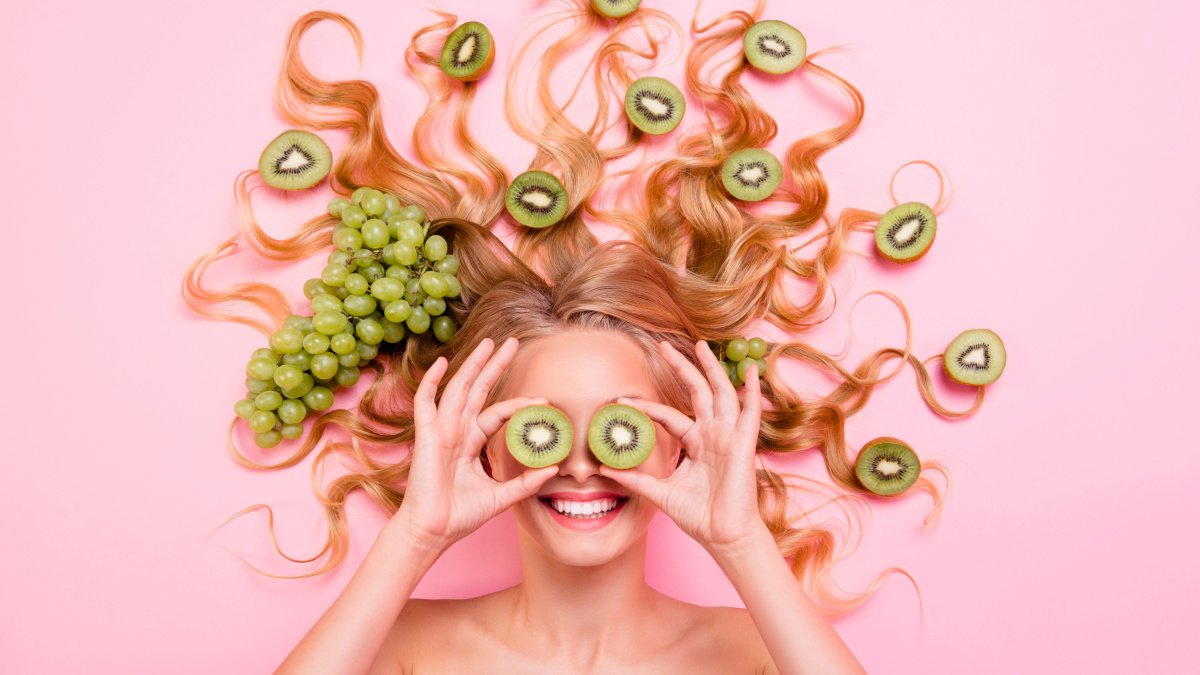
(372, 272)
(357, 195)
(413, 213)
(447, 265)
(410, 232)
(387, 289)
(265, 353)
(315, 287)
(324, 302)
(286, 340)
(305, 386)
(288, 376)
(744, 365)
(454, 286)
(347, 376)
(436, 248)
(373, 203)
(291, 431)
(316, 343)
(333, 275)
(419, 321)
(348, 240)
(389, 258)
(375, 233)
(434, 306)
(444, 328)
(366, 351)
(319, 398)
(262, 420)
(434, 285)
(397, 310)
(339, 258)
(293, 321)
(359, 305)
(330, 323)
(349, 360)
(762, 366)
(341, 293)
(399, 273)
(292, 411)
(730, 370)
(268, 439)
(324, 366)
(305, 325)
(393, 204)
(268, 400)
(342, 343)
(301, 359)
(393, 331)
(336, 205)
(369, 331)
(404, 253)
(353, 217)
(257, 386)
(737, 349)
(356, 283)
(245, 408)
(363, 258)
(757, 348)
(260, 368)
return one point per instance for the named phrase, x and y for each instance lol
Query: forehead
(582, 369)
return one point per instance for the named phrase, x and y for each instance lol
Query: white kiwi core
(467, 49)
(774, 47)
(540, 435)
(294, 159)
(976, 356)
(621, 435)
(888, 467)
(537, 199)
(752, 174)
(909, 231)
(655, 106)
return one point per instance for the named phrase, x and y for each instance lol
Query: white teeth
(584, 510)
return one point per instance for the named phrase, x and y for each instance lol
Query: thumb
(643, 484)
(524, 486)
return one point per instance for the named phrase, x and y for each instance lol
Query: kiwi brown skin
(910, 259)
(488, 60)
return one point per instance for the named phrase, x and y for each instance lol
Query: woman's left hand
(713, 494)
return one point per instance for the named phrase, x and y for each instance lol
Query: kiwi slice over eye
(539, 435)
(536, 199)
(975, 357)
(654, 105)
(751, 175)
(469, 52)
(295, 160)
(621, 436)
(906, 232)
(774, 47)
(615, 8)
(886, 466)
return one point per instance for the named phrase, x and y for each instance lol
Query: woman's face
(580, 373)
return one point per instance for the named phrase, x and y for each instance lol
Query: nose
(580, 463)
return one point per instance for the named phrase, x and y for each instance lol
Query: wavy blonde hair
(698, 265)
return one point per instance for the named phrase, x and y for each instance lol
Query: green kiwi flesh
(536, 199)
(774, 47)
(621, 436)
(468, 52)
(654, 105)
(975, 357)
(295, 160)
(906, 232)
(615, 8)
(752, 175)
(539, 435)
(886, 466)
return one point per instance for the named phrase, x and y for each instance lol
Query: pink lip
(576, 523)
(581, 496)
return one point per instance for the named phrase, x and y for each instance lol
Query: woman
(584, 605)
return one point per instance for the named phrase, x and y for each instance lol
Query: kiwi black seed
(536, 199)
(906, 232)
(751, 175)
(539, 435)
(886, 466)
(295, 160)
(621, 436)
(975, 357)
(654, 105)
(774, 47)
(469, 52)
(615, 8)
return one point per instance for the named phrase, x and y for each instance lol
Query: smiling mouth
(567, 508)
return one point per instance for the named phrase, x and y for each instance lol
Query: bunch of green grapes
(738, 354)
(385, 279)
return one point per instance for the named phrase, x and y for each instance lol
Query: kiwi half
(975, 357)
(621, 436)
(536, 199)
(751, 175)
(906, 232)
(295, 160)
(654, 105)
(615, 8)
(539, 435)
(774, 47)
(886, 466)
(469, 52)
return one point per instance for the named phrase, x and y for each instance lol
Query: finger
(424, 408)
(455, 394)
(478, 392)
(653, 489)
(491, 420)
(750, 421)
(524, 486)
(726, 404)
(676, 423)
(702, 400)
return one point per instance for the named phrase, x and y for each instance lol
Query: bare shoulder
(732, 632)
(428, 627)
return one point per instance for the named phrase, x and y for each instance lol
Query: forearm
(348, 636)
(798, 637)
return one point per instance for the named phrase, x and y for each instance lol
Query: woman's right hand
(448, 494)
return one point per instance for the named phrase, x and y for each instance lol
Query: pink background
(1068, 128)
